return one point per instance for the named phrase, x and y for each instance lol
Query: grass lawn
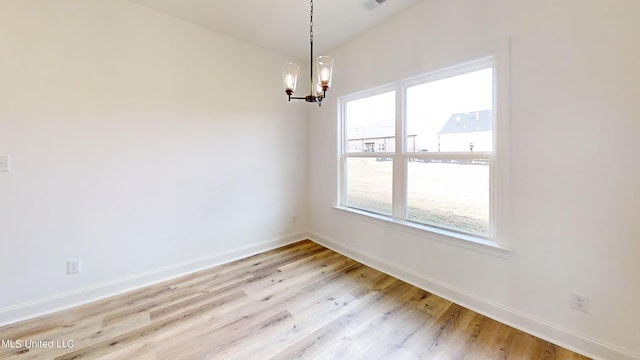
(447, 195)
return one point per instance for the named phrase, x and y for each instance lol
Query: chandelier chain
(311, 24)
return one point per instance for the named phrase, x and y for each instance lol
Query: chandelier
(319, 85)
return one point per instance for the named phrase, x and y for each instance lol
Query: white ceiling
(282, 26)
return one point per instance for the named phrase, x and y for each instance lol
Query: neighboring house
(467, 132)
(377, 138)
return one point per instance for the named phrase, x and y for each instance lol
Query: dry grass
(453, 196)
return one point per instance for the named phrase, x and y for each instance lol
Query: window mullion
(342, 150)
(399, 162)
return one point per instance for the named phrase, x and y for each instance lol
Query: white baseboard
(44, 306)
(541, 328)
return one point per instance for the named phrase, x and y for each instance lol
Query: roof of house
(474, 121)
(380, 130)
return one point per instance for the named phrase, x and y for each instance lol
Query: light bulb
(290, 82)
(324, 76)
(289, 77)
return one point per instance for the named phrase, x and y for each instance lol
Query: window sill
(449, 237)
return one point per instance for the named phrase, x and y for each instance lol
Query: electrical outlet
(579, 302)
(5, 164)
(73, 267)
(294, 219)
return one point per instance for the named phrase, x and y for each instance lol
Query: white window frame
(497, 240)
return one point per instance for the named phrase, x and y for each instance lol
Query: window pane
(369, 184)
(370, 123)
(451, 194)
(453, 114)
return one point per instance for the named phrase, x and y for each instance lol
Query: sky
(429, 106)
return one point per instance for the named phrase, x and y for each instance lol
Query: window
(368, 181)
(427, 151)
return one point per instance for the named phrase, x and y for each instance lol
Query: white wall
(575, 172)
(141, 144)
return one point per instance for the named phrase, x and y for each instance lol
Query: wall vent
(372, 4)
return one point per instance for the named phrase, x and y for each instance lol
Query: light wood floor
(300, 301)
